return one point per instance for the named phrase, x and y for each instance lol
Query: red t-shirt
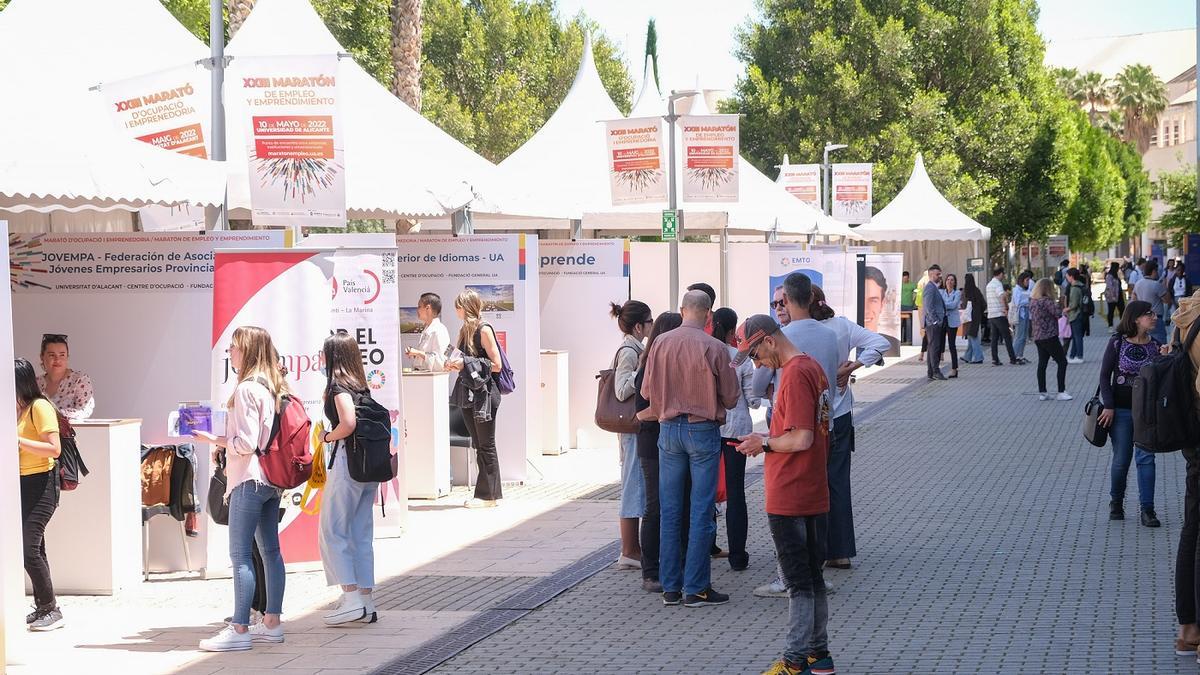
(797, 483)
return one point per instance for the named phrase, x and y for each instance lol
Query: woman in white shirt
(253, 503)
(69, 390)
(634, 318)
(737, 424)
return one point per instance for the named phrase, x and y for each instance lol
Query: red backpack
(287, 460)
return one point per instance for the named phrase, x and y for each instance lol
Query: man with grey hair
(689, 384)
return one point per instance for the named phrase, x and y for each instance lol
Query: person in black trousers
(647, 448)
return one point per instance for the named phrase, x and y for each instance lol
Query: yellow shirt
(39, 419)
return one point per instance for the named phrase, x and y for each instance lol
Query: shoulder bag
(218, 508)
(1093, 431)
(613, 415)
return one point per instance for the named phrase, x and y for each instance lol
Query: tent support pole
(217, 217)
(576, 230)
(725, 267)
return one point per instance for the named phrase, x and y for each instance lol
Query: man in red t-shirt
(797, 488)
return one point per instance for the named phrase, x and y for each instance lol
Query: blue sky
(697, 36)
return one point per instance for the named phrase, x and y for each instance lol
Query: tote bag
(613, 415)
(1064, 327)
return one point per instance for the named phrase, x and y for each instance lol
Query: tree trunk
(406, 51)
(238, 10)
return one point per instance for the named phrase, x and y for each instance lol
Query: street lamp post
(217, 217)
(827, 193)
(672, 198)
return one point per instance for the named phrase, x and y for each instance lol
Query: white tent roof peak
(921, 213)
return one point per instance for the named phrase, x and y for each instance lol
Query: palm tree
(237, 10)
(1113, 123)
(406, 51)
(1095, 90)
(1142, 97)
(1067, 81)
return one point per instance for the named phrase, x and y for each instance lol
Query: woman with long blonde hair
(253, 503)
(1044, 312)
(477, 394)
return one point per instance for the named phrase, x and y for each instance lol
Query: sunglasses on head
(50, 338)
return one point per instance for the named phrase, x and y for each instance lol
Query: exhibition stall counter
(427, 423)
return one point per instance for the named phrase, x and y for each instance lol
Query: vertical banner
(880, 284)
(852, 193)
(578, 281)
(710, 158)
(296, 143)
(1058, 247)
(802, 181)
(635, 161)
(300, 298)
(168, 109)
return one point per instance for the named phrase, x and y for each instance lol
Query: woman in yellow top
(38, 447)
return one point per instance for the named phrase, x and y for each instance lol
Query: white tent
(61, 160)
(397, 162)
(926, 227)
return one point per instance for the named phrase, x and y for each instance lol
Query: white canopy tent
(925, 226)
(62, 163)
(397, 162)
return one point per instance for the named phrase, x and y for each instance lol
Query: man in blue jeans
(689, 384)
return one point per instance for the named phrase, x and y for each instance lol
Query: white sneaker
(626, 564)
(371, 615)
(1075, 361)
(227, 640)
(1043, 396)
(828, 585)
(351, 608)
(775, 589)
(260, 633)
(1063, 396)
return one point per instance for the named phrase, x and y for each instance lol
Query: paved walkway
(982, 531)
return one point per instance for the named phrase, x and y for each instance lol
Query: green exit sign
(670, 225)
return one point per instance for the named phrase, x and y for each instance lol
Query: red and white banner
(300, 298)
(802, 181)
(710, 158)
(295, 145)
(636, 168)
(168, 109)
(852, 193)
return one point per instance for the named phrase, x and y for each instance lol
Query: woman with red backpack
(253, 502)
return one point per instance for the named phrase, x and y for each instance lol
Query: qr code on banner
(389, 276)
(389, 268)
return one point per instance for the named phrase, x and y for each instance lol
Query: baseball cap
(750, 334)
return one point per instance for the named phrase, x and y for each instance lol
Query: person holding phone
(430, 352)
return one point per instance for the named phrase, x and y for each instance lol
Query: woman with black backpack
(347, 531)
(477, 393)
(38, 446)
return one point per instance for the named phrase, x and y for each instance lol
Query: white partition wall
(578, 281)
(495, 266)
(748, 282)
(12, 572)
(650, 281)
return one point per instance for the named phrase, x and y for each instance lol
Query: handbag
(613, 415)
(1064, 327)
(964, 314)
(1093, 431)
(218, 508)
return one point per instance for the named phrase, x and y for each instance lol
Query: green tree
(1178, 191)
(962, 82)
(1096, 218)
(1138, 191)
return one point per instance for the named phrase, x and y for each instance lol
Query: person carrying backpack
(1187, 572)
(253, 502)
(38, 447)
(347, 532)
(1127, 352)
(479, 399)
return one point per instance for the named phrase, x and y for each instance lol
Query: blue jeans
(254, 515)
(633, 485)
(347, 527)
(1124, 453)
(974, 352)
(1021, 338)
(1076, 351)
(840, 542)
(687, 448)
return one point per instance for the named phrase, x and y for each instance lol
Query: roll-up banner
(578, 281)
(833, 270)
(802, 181)
(496, 268)
(710, 158)
(168, 109)
(296, 144)
(300, 298)
(881, 276)
(852, 192)
(635, 161)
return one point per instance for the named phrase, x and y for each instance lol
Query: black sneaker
(672, 597)
(47, 620)
(705, 598)
(651, 586)
(1116, 511)
(1150, 519)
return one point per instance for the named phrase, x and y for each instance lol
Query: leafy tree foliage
(1178, 190)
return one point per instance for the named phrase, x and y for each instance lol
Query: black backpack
(369, 450)
(69, 465)
(1164, 397)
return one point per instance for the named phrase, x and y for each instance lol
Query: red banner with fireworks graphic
(295, 145)
(636, 168)
(710, 158)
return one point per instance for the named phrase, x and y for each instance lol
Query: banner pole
(217, 218)
(672, 203)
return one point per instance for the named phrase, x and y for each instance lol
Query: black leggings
(951, 337)
(39, 499)
(1047, 349)
(1118, 306)
(483, 437)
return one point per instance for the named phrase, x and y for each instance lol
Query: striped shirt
(995, 299)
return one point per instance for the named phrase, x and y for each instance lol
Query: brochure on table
(300, 298)
(495, 267)
(834, 270)
(137, 311)
(578, 281)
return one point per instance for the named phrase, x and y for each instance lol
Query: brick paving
(984, 548)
